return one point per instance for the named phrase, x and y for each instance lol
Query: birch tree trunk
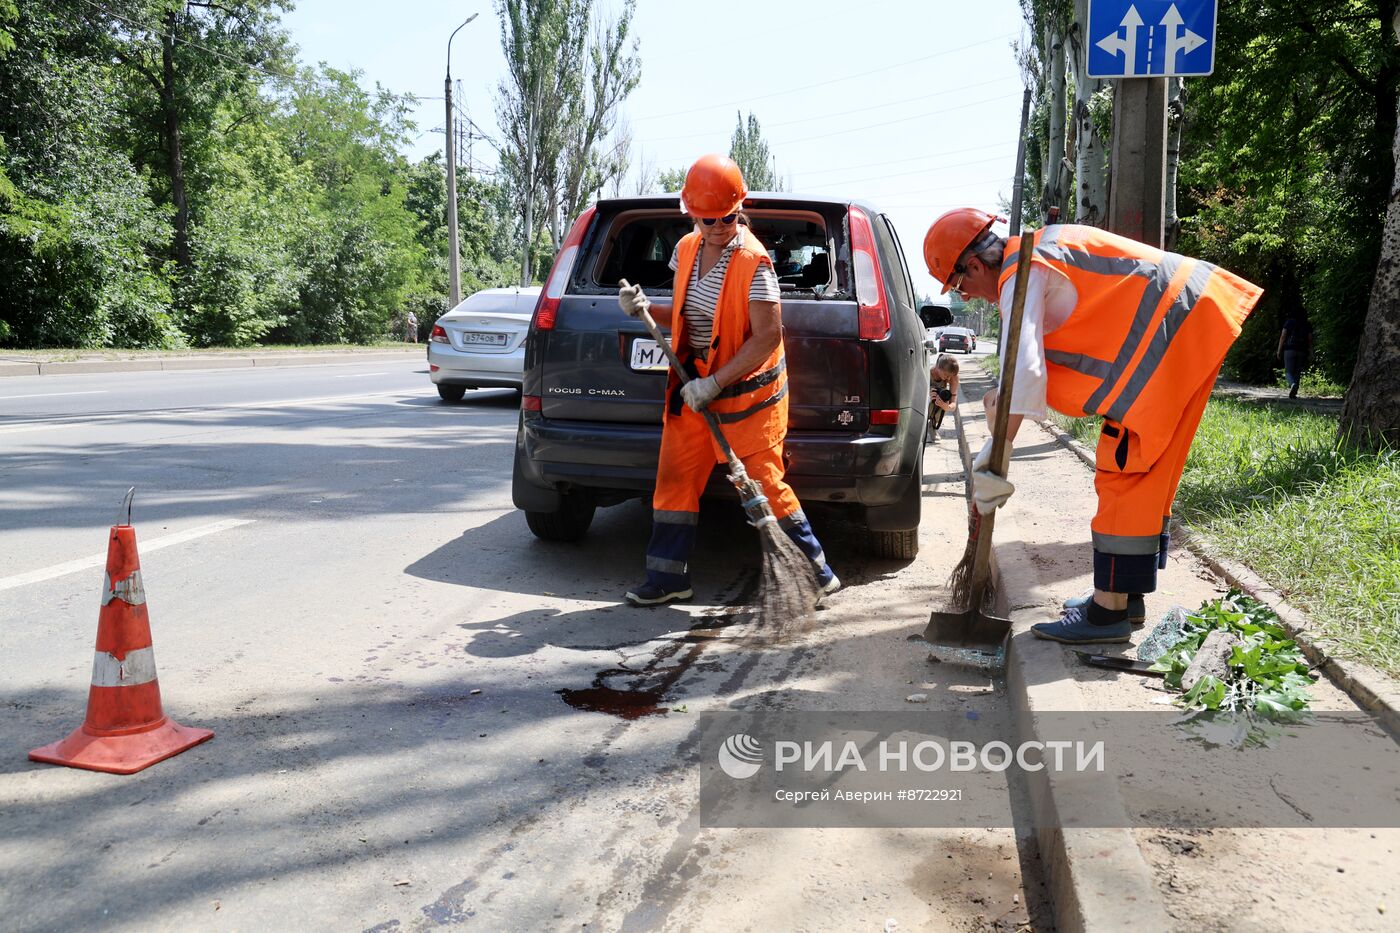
(1372, 410)
(1176, 114)
(1091, 152)
(1056, 174)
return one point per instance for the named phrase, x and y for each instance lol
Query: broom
(960, 580)
(787, 591)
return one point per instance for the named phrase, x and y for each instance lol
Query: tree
(1372, 410)
(1092, 118)
(612, 71)
(749, 150)
(544, 42)
(672, 179)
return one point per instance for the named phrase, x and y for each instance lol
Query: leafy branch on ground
(1266, 673)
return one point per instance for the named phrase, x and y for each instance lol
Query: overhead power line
(846, 113)
(927, 155)
(830, 81)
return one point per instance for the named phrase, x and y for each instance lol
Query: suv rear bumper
(554, 456)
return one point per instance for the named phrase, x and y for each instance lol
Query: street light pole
(454, 271)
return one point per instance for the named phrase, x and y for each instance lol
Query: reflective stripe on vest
(1090, 253)
(752, 410)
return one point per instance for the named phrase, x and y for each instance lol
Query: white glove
(989, 491)
(698, 393)
(631, 299)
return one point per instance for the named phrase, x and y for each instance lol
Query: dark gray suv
(590, 420)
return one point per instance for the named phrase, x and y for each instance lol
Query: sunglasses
(726, 219)
(961, 272)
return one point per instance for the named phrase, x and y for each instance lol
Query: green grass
(1315, 385)
(1272, 487)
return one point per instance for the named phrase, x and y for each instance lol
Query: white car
(481, 342)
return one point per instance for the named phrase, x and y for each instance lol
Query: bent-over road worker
(729, 337)
(1116, 328)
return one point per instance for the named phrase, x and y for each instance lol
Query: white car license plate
(648, 357)
(484, 340)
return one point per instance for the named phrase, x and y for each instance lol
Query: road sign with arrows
(1151, 38)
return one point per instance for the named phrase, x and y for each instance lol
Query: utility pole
(1137, 200)
(454, 253)
(529, 191)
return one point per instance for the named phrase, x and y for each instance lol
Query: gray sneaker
(1074, 628)
(1137, 606)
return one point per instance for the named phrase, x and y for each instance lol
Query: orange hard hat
(714, 187)
(949, 237)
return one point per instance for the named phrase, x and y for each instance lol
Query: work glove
(631, 299)
(698, 393)
(989, 491)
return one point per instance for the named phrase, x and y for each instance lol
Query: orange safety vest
(1148, 329)
(753, 411)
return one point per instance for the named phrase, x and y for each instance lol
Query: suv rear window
(639, 246)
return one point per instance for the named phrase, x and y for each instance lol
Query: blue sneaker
(1137, 606)
(1074, 628)
(652, 594)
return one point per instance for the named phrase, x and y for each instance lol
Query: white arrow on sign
(1180, 40)
(1115, 44)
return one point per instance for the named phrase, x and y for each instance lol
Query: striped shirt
(702, 294)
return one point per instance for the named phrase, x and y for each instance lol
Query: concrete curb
(211, 361)
(1371, 689)
(1097, 878)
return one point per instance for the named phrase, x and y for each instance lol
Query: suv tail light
(438, 335)
(873, 311)
(548, 306)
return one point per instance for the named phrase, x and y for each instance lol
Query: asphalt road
(334, 570)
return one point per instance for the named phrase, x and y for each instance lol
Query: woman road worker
(729, 337)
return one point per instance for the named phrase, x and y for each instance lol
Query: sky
(913, 105)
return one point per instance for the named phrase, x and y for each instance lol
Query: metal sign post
(1142, 43)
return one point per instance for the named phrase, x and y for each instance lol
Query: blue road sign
(1151, 38)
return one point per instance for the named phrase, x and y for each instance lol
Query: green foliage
(1286, 168)
(671, 179)
(1266, 673)
(302, 222)
(750, 151)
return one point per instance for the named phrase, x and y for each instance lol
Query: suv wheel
(895, 545)
(451, 393)
(570, 523)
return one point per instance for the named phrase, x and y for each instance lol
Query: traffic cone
(126, 730)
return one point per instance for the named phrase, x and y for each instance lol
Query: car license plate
(648, 357)
(484, 340)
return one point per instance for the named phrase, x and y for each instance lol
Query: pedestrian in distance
(1111, 327)
(410, 333)
(942, 392)
(726, 328)
(1295, 345)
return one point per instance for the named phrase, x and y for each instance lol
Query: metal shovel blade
(971, 629)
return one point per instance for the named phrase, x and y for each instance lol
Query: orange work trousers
(688, 457)
(1131, 527)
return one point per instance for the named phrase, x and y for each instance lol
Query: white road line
(6, 398)
(359, 375)
(24, 427)
(100, 560)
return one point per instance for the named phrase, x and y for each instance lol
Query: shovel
(974, 628)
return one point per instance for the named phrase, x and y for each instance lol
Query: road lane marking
(360, 375)
(24, 427)
(100, 560)
(6, 398)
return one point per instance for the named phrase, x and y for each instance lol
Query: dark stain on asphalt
(633, 693)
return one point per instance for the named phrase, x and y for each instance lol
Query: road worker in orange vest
(728, 334)
(1110, 327)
